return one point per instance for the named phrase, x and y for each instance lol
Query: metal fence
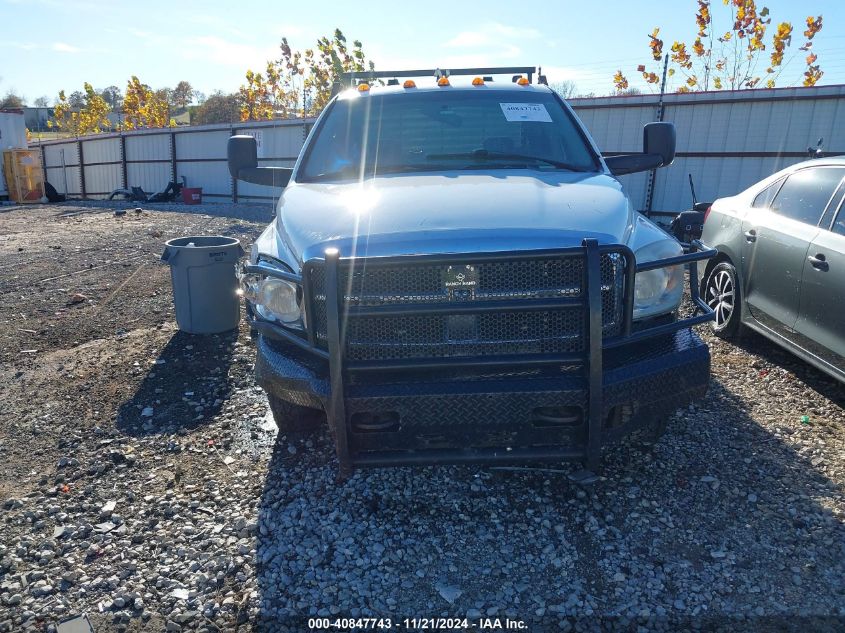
(727, 140)
(94, 166)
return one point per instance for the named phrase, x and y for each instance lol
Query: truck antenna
(692, 189)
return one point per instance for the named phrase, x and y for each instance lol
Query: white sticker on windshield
(526, 112)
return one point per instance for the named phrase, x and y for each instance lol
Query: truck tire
(651, 433)
(722, 294)
(294, 418)
(656, 429)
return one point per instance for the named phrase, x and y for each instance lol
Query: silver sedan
(781, 264)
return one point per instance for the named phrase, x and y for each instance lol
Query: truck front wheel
(650, 434)
(293, 418)
(656, 429)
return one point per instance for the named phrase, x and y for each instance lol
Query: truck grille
(561, 330)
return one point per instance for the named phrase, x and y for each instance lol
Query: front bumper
(474, 409)
(497, 416)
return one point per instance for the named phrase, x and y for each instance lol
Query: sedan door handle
(751, 236)
(819, 262)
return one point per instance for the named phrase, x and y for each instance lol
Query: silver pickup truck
(455, 275)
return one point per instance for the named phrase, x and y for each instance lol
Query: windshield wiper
(345, 172)
(398, 169)
(353, 172)
(484, 154)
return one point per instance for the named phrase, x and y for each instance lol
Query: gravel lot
(142, 481)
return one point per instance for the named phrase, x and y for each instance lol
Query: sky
(50, 45)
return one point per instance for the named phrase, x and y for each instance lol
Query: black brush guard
(590, 357)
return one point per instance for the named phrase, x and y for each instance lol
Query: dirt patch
(85, 313)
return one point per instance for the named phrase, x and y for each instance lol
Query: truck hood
(452, 212)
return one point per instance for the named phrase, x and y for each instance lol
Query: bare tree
(218, 108)
(12, 101)
(42, 102)
(164, 94)
(182, 95)
(565, 89)
(630, 91)
(113, 97)
(76, 100)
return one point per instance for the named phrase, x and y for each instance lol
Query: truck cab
(455, 275)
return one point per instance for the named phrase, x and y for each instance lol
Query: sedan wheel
(721, 293)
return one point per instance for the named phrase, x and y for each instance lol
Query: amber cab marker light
(409, 83)
(478, 81)
(443, 81)
(522, 81)
(363, 87)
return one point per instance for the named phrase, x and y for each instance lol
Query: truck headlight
(274, 299)
(660, 290)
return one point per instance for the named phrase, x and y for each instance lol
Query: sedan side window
(806, 193)
(764, 198)
(834, 204)
(839, 225)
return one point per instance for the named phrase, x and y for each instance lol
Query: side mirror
(242, 154)
(659, 138)
(658, 151)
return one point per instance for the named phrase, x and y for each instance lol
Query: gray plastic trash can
(202, 270)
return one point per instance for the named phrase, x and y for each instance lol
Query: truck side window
(806, 193)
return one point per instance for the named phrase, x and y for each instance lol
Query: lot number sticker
(526, 112)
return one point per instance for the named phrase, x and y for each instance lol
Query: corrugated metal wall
(151, 158)
(726, 140)
(61, 162)
(148, 163)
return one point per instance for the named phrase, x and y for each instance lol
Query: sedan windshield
(436, 131)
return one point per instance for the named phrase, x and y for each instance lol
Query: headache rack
(391, 77)
(391, 316)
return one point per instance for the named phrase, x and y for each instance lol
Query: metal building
(727, 140)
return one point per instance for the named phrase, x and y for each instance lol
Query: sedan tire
(722, 294)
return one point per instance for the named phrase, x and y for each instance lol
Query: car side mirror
(242, 154)
(658, 151)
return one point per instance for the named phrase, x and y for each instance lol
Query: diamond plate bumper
(496, 416)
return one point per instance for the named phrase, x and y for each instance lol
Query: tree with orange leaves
(144, 108)
(300, 83)
(734, 59)
(91, 118)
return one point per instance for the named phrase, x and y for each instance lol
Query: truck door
(776, 239)
(821, 324)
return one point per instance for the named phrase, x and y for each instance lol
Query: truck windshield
(449, 130)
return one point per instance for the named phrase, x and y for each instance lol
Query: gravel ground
(142, 481)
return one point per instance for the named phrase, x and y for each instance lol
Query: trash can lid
(203, 241)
